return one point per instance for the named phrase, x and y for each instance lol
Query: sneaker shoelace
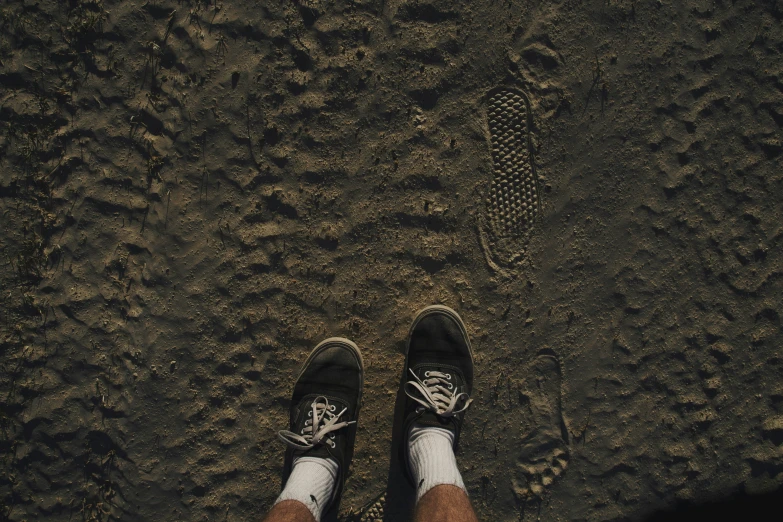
(436, 393)
(319, 427)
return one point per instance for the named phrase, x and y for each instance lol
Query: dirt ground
(194, 193)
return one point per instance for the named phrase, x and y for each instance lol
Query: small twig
(144, 221)
(597, 76)
(170, 25)
(168, 202)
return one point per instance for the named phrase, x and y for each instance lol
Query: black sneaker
(329, 390)
(438, 374)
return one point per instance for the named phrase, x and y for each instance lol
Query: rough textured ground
(195, 193)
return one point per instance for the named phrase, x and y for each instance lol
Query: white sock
(432, 460)
(312, 483)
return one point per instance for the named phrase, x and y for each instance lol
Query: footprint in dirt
(512, 204)
(372, 512)
(543, 450)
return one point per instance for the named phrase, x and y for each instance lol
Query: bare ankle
(445, 503)
(289, 511)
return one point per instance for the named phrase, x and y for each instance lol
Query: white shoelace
(436, 394)
(318, 428)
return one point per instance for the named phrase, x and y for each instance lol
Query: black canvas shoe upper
(438, 373)
(329, 389)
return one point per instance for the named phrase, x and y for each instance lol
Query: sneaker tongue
(320, 451)
(306, 405)
(429, 419)
(323, 449)
(421, 369)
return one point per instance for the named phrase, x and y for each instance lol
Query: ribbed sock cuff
(312, 483)
(432, 460)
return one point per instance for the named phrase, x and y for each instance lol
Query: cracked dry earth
(195, 193)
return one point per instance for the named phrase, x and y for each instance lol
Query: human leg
(322, 429)
(445, 503)
(438, 382)
(289, 511)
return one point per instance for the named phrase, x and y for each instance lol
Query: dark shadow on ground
(740, 506)
(399, 492)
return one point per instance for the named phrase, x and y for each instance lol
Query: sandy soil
(195, 193)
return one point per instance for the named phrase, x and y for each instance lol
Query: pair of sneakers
(437, 381)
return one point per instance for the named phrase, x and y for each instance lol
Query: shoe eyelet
(331, 443)
(451, 386)
(310, 413)
(426, 374)
(331, 436)
(332, 407)
(308, 422)
(448, 376)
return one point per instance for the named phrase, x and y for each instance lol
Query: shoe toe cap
(334, 369)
